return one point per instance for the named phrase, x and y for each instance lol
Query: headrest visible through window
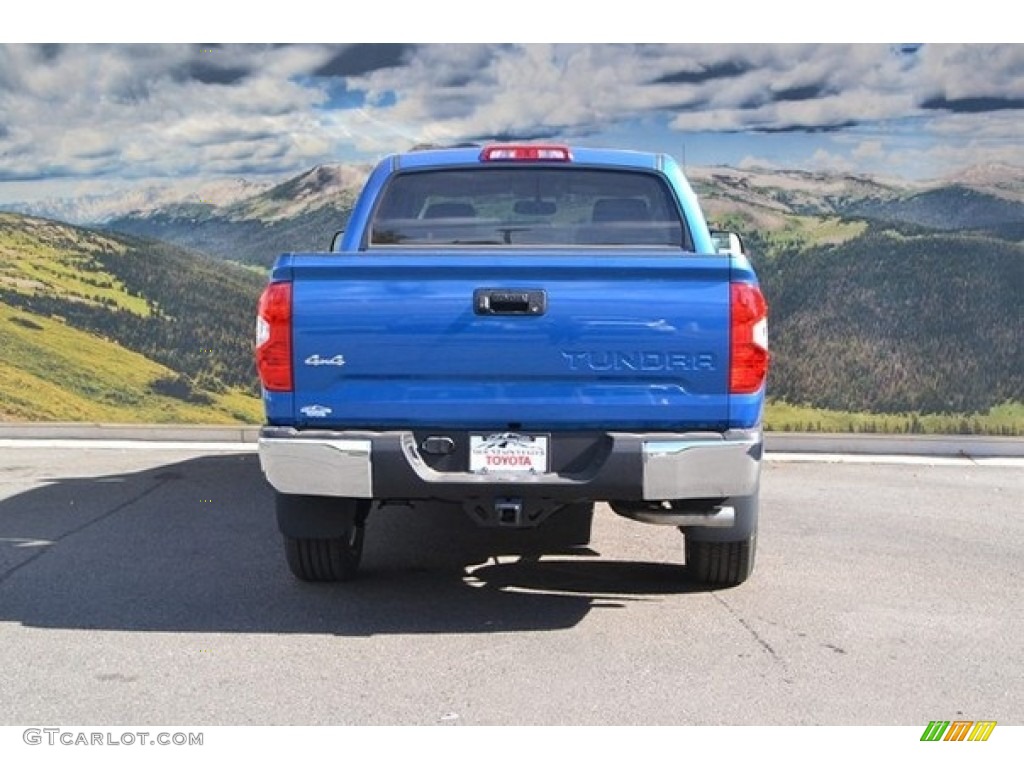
(449, 211)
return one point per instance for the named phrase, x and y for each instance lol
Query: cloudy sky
(83, 117)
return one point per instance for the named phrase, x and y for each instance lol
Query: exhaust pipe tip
(717, 517)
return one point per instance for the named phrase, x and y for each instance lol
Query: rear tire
(721, 563)
(325, 559)
(323, 536)
(724, 557)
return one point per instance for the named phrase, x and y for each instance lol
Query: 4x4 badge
(338, 360)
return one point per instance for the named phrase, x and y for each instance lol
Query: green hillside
(891, 310)
(897, 321)
(104, 327)
(953, 207)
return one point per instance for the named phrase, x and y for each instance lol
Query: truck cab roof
(428, 158)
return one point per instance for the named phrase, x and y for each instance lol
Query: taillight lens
(274, 337)
(748, 350)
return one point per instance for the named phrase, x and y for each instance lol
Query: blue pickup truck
(524, 330)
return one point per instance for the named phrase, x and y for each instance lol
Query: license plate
(508, 452)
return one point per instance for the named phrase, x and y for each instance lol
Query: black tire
(721, 563)
(724, 557)
(326, 559)
(323, 536)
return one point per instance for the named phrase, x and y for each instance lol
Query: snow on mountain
(101, 208)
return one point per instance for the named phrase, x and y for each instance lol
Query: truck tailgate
(524, 340)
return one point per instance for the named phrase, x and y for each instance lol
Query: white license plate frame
(509, 453)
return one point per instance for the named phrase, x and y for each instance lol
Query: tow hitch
(510, 512)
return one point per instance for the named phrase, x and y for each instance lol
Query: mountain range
(93, 209)
(983, 198)
(303, 212)
(886, 296)
(300, 214)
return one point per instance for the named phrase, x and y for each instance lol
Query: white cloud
(966, 71)
(169, 110)
(157, 110)
(869, 150)
(823, 160)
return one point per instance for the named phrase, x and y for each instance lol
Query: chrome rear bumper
(390, 465)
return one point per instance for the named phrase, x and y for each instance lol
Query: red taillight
(748, 337)
(274, 337)
(534, 152)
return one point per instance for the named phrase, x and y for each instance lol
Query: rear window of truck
(529, 207)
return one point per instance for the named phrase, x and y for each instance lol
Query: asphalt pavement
(144, 587)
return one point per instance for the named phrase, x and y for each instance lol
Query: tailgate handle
(509, 301)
